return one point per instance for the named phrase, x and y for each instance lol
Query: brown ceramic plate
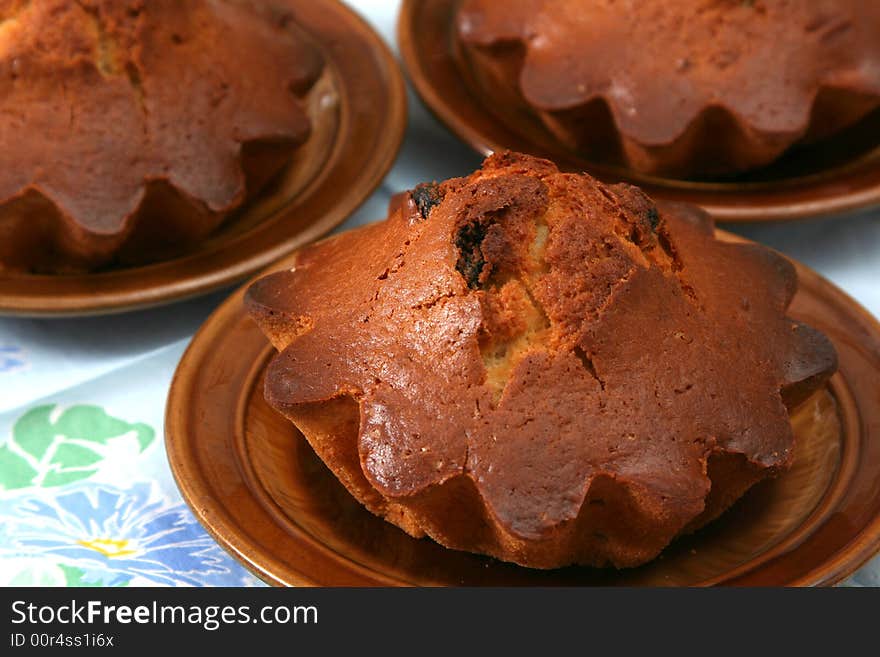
(359, 117)
(256, 485)
(837, 176)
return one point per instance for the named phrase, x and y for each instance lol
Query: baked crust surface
(540, 367)
(679, 87)
(131, 126)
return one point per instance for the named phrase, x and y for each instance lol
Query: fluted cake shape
(688, 88)
(540, 367)
(131, 126)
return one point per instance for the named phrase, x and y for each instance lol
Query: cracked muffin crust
(686, 88)
(133, 127)
(540, 367)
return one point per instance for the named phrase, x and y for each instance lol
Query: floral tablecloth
(86, 495)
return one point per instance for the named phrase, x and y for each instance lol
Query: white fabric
(125, 362)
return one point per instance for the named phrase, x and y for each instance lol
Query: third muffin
(687, 88)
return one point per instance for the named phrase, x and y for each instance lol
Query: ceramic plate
(256, 485)
(359, 117)
(833, 177)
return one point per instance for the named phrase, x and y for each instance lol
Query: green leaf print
(34, 431)
(15, 471)
(51, 449)
(71, 453)
(76, 577)
(59, 478)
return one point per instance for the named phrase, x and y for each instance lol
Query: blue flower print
(12, 359)
(118, 536)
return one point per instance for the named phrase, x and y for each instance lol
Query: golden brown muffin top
(660, 63)
(101, 97)
(535, 330)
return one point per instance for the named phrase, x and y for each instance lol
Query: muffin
(131, 129)
(536, 366)
(687, 88)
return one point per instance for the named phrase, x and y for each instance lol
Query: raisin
(426, 196)
(468, 241)
(653, 218)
